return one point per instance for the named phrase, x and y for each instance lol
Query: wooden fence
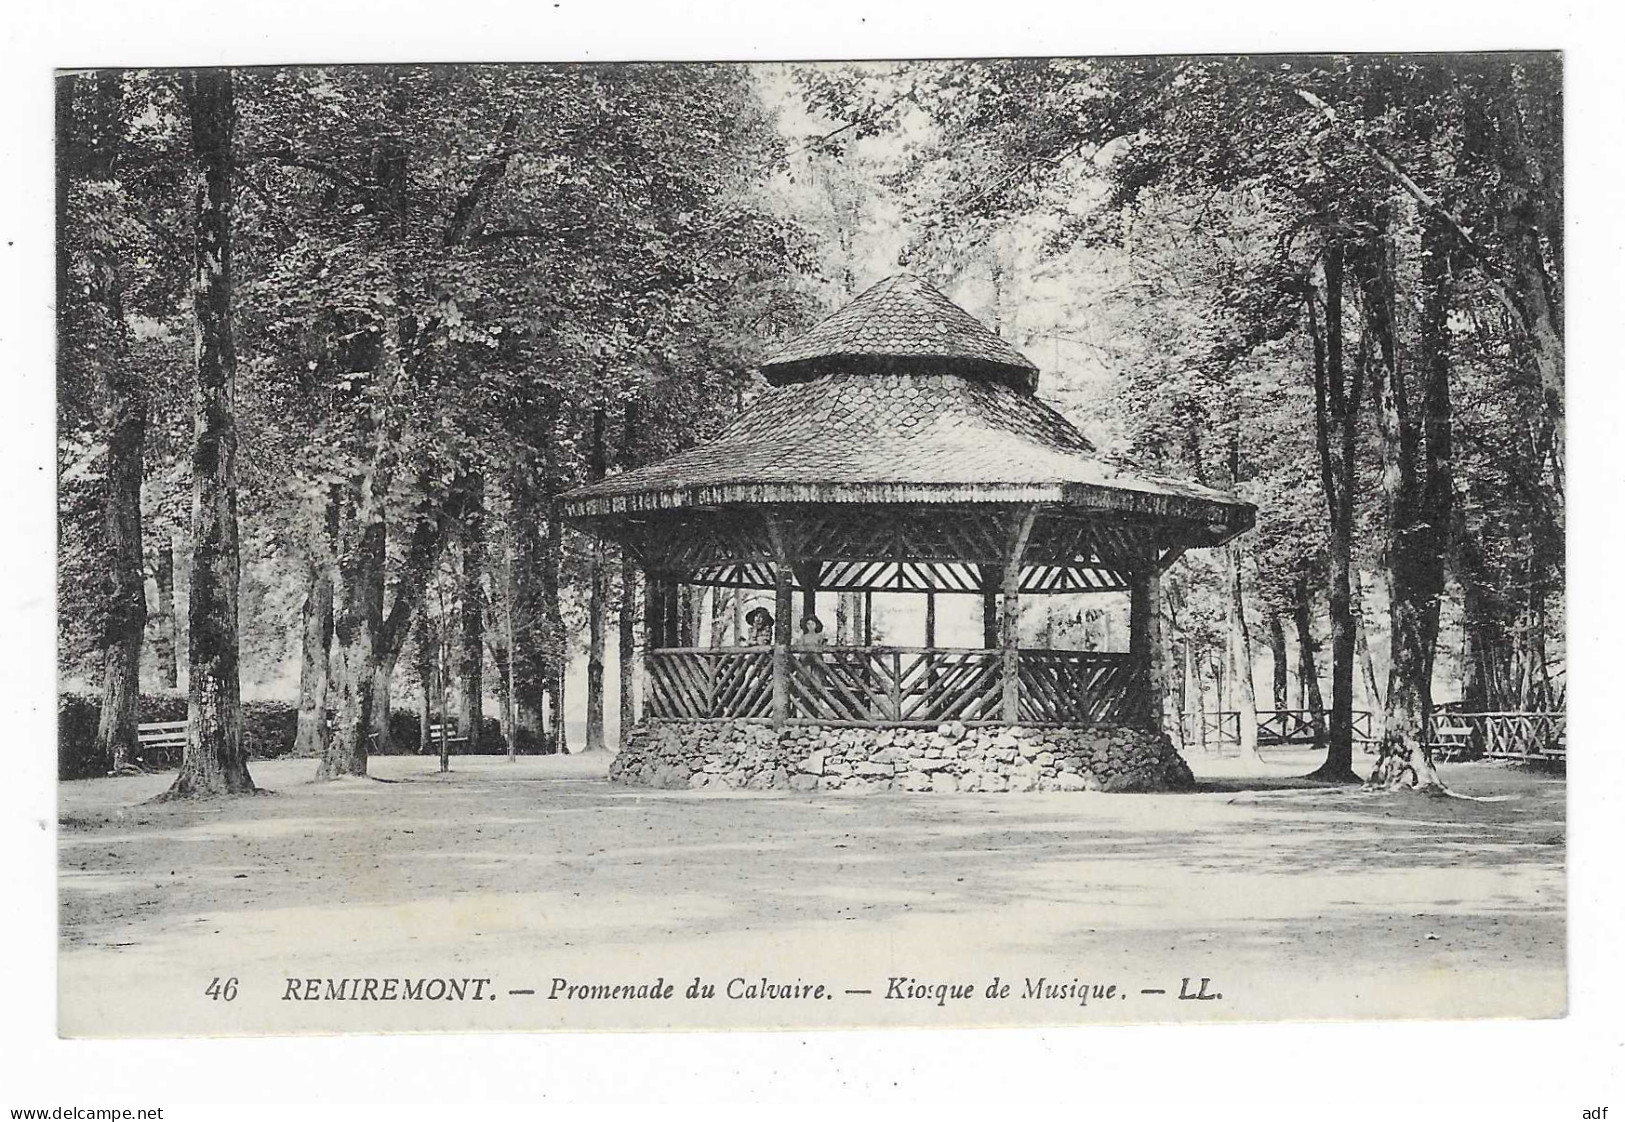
(1222, 728)
(1451, 734)
(1509, 735)
(894, 685)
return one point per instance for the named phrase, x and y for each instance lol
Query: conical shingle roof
(902, 397)
(901, 322)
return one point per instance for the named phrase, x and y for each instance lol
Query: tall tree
(472, 603)
(92, 124)
(597, 599)
(215, 761)
(316, 638)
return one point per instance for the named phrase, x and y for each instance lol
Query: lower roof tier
(956, 547)
(858, 437)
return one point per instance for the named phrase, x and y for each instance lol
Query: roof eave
(1224, 516)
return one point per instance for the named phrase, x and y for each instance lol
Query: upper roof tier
(899, 325)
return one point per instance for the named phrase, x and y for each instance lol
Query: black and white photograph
(991, 541)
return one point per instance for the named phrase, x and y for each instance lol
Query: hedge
(269, 728)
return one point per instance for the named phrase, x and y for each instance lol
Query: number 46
(222, 991)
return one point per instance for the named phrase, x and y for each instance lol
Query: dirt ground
(1292, 901)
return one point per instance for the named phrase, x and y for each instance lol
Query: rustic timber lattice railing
(895, 685)
(1275, 726)
(1506, 735)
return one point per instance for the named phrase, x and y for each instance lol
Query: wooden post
(783, 606)
(868, 618)
(1145, 640)
(654, 615)
(1011, 638)
(684, 612)
(651, 610)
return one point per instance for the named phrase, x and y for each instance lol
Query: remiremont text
(388, 989)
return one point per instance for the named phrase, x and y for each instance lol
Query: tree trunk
(163, 644)
(383, 703)
(1278, 663)
(992, 581)
(1337, 403)
(1417, 498)
(357, 613)
(1308, 672)
(424, 649)
(124, 426)
(214, 761)
(1240, 646)
(510, 698)
(597, 601)
(316, 637)
(1178, 686)
(557, 644)
(182, 598)
(721, 598)
(471, 656)
(1536, 295)
(1193, 690)
(1368, 668)
(627, 644)
(362, 639)
(442, 670)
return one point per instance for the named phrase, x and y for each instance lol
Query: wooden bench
(162, 742)
(452, 739)
(1450, 738)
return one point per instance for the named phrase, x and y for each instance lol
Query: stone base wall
(749, 756)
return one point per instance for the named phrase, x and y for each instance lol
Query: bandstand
(901, 448)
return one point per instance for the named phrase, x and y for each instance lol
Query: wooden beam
(1020, 532)
(783, 607)
(651, 635)
(652, 610)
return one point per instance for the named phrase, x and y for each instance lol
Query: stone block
(670, 778)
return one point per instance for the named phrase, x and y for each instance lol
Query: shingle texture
(903, 317)
(868, 430)
(957, 422)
